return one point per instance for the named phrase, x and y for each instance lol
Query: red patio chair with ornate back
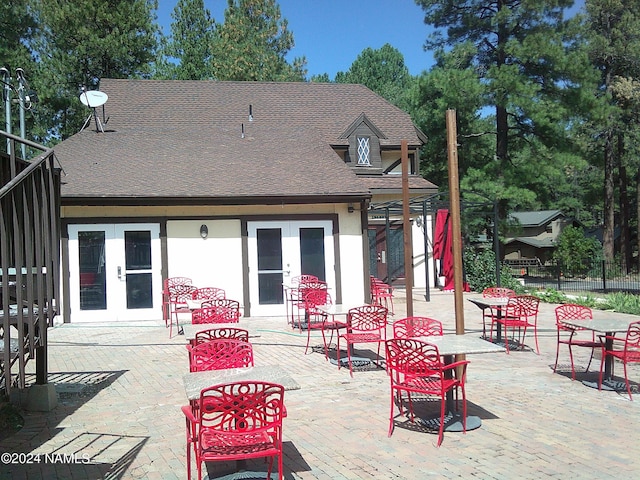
(628, 353)
(412, 327)
(365, 324)
(493, 292)
(295, 298)
(166, 296)
(303, 290)
(217, 310)
(206, 293)
(316, 319)
(219, 354)
(416, 367)
(217, 333)
(569, 335)
(382, 293)
(221, 332)
(521, 312)
(236, 421)
(178, 296)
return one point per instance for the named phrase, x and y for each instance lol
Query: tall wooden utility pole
(454, 209)
(406, 228)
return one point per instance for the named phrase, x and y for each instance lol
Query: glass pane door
(279, 251)
(91, 274)
(114, 272)
(138, 277)
(270, 273)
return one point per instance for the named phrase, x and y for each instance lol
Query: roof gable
(536, 218)
(362, 119)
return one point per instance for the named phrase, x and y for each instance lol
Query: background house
(533, 236)
(240, 185)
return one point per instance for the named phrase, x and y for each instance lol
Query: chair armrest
(610, 337)
(188, 412)
(455, 364)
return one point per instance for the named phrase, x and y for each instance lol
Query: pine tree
(532, 71)
(252, 44)
(82, 41)
(16, 28)
(612, 31)
(382, 71)
(186, 53)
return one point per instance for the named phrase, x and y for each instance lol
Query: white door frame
(116, 274)
(290, 258)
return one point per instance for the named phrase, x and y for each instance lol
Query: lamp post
(6, 97)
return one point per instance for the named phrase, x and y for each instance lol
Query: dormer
(363, 154)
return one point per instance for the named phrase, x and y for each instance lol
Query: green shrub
(551, 295)
(622, 302)
(480, 271)
(576, 253)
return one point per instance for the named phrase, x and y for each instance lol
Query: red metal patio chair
(365, 324)
(221, 332)
(493, 292)
(166, 297)
(236, 421)
(317, 319)
(217, 310)
(416, 367)
(382, 293)
(303, 290)
(219, 354)
(521, 313)
(629, 353)
(569, 335)
(295, 297)
(178, 296)
(412, 327)
(205, 293)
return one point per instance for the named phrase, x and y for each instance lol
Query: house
(240, 185)
(533, 236)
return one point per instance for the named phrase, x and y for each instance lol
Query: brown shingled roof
(168, 139)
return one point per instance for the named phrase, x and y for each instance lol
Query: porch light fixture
(204, 231)
(350, 208)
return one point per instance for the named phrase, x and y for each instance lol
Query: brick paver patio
(120, 389)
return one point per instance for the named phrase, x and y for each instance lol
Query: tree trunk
(609, 200)
(638, 213)
(625, 234)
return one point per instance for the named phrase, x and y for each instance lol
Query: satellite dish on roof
(93, 98)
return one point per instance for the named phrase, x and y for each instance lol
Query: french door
(279, 251)
(115, 272)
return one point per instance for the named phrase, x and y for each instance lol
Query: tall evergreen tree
(186, 53)
(612, 30)
(252, 44)
(531, 71)
(382, 70)
(81, 41)
(16, 29)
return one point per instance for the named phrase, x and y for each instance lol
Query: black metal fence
(601, 277)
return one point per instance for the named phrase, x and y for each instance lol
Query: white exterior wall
(215, 261)
(351, 258)
(417, 239)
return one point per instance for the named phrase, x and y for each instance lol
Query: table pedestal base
(453, 422)
(609, 385)
(355, 362)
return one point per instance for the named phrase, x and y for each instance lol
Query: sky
(332, 33)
